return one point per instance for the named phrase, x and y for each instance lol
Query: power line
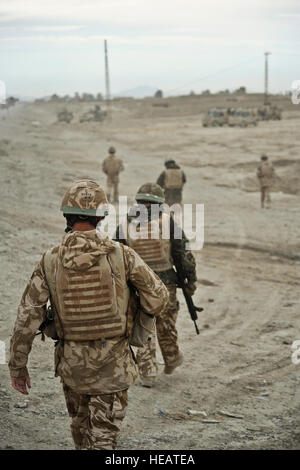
(214, 74)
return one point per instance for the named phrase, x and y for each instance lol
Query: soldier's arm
(161, 179)
(121, 165)
(104, 169)
(183, 258)
(183, 178)
(258, 172)
(153, 293)
(31, 313)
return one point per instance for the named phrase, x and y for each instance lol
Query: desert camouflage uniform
(265, 175)
(166, 331)
(172, 195)
(112, 166)
(96, 419)
(95, 374)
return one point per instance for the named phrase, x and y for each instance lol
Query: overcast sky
(176, 45)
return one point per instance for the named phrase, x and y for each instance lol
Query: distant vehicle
(242, 118)
(11, 101)
(268, 112)
(215, 117)
(64, 116)
(95, 114)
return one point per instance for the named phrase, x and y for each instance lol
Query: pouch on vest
(47, 328)
(143, 327)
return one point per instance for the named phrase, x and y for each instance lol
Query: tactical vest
(112, 166)
(266, 170)
(173, 179)
(150, 245)
(90, 304)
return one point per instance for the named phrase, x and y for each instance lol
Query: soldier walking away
(172, 180)
(112, 166)
(265, 175)
(86, 281)
(161, 255)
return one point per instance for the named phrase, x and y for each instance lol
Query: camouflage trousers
(167, 337)
(173, 196)
(96, 419)
(265, 195)
(113, 188)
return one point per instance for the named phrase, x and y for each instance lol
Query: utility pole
(107, 84)
(266, 77)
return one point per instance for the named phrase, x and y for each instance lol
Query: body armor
(149, 243)
(90, 304)
(173, 179)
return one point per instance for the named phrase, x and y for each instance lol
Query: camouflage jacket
(85, 366)
(161, 178)
(182, 258)
(172, 196)
(112, 166)
(265, 173)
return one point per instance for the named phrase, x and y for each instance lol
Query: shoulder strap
(121, 259)
(49, 277)
(51, 284)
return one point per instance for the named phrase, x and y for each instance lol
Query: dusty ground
(248, 272)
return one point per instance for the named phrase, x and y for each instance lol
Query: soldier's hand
(190, 289)
(20, 383)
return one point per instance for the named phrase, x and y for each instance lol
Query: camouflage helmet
(150, 192)
(85, 197)
(111, 150)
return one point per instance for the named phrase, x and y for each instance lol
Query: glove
(190, 288)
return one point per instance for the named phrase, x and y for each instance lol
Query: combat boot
(169, 369)
(148, 381)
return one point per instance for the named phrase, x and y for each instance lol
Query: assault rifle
(189, 301)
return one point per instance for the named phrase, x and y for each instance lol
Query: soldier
(161, 254)
(265, 175)
(172, 181)
(86, 279)
(112, 166)
(98, 113)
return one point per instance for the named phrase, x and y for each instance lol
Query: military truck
(64, 116)
(215, 117)
(95, 114)
(268, 112)
(242, 117)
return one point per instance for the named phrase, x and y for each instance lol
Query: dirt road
(248, 274)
